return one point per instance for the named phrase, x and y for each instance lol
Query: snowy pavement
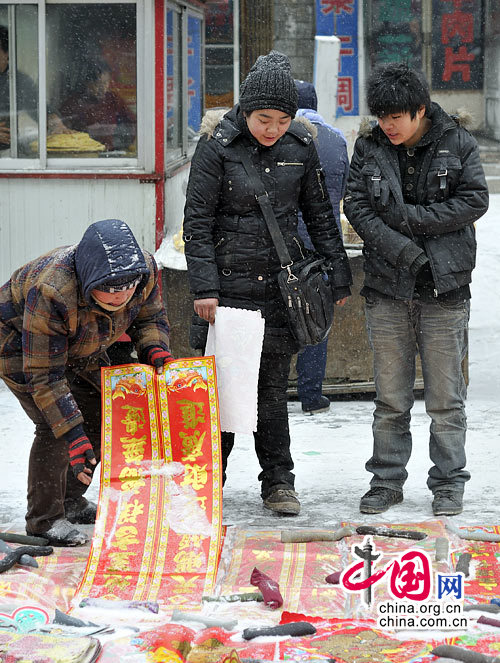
(330, 449)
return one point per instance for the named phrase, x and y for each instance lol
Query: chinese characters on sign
(457, 61)
(340, 18)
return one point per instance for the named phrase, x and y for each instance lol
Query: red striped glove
(158, 357)
(80, 450)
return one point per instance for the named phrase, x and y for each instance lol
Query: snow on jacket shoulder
(451, 194)
(228, 248)
(49, 323)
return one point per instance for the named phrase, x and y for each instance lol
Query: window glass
(173, 80)
(18, 81)
(92, 80)
(194, 78)
(219, 73)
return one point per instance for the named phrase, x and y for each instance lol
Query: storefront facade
(100, 106)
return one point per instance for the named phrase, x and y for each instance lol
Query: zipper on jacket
(300, 248)
(289, 163)
(219, 242)
(318, 175)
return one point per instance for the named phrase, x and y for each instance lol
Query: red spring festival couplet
(158, 530)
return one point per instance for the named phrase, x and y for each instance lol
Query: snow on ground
(330, 449)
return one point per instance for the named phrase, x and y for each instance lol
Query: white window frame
(144, 162)
(175, 157)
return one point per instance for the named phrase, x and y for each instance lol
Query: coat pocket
(442, 178)
(377, 186)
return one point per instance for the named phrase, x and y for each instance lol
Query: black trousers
(51, 482)
(50, 478)
(272, 438)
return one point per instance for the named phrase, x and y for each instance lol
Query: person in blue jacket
(332, 150)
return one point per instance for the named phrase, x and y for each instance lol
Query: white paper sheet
(236, 341)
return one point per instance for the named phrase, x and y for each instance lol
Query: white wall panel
(37, 215)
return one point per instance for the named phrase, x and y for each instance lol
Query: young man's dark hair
(396, 88)
(4, 39)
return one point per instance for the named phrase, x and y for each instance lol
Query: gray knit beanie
(269, 84)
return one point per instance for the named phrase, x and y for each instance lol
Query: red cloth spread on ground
(51, 585)
(483, 583)
(158, 529)
(299, 569)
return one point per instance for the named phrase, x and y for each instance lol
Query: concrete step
(489, 151)
(491, 169)
(492, 172)
(493, 182)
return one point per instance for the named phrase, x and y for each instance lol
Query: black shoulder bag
(304, 284)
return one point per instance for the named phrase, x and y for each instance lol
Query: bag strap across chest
(262, 198)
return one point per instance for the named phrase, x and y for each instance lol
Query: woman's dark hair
(94, 69)
(395, 88)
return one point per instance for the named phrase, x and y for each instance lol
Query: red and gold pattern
(342, 640)
(158, 531)
(299, 568)
(51, 585)
(484, 582)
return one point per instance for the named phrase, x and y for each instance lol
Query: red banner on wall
(158, 530)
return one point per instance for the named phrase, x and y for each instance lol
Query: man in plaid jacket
(59, 314)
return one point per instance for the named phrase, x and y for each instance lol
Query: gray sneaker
(284, 501)
(447, 503)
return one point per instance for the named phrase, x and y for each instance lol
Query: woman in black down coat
(230, 254)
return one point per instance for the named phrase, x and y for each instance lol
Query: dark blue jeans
(397, 330)
(311, 366)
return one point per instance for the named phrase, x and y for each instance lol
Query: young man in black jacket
(415, 189)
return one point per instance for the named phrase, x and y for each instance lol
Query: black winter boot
(447, 503)
(379, 499)
(80, 511)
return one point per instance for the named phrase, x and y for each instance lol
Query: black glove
(80, 449)
(158, 357)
